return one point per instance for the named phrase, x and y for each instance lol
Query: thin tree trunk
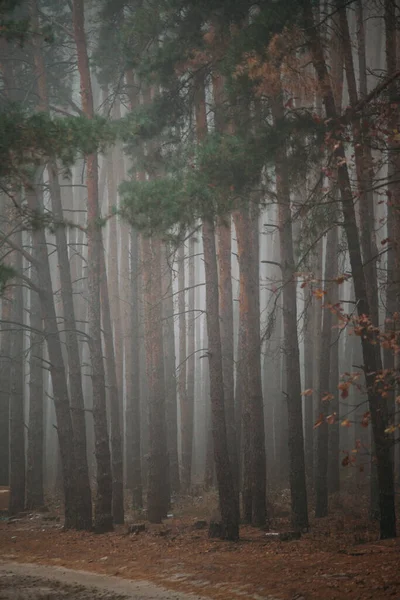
(35, 451)
(182, 384)
(17, 421)
(133, 428)
(5, 380)
(170, 371)
(333, 442)
(103, 502)
(190, 358)
(309, 302)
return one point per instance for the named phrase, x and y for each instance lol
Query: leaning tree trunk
(57, 369)
(297, 476)
(17, 422)
(371, 358)
(103, 502)
(228, 497)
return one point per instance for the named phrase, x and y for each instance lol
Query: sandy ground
(36, 582)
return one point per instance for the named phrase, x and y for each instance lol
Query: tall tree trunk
(103, 501)
(74, 363)
(5, 376)
(35, 452)
(191, 357)
(17, 420)
(170, 371)
(371, 358)
(228, 497)
(297, 476)
(241, 407)
(133, 429)
(224, 235)
(158, 464)
(247, 240)
(112, 382)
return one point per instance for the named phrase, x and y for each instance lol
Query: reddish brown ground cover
(339, 558)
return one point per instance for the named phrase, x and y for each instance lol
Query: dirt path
(36, 582)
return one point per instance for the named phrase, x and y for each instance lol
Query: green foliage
(12, 26)
(28, 140)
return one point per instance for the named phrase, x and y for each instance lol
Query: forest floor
(341, 556)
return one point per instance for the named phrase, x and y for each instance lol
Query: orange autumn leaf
(327, 397)
(344, 388)
(345, 423)
(365, 419)
(319, 421)
(331, 419)
(390, 429)
(319, 294)
(308, 392)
